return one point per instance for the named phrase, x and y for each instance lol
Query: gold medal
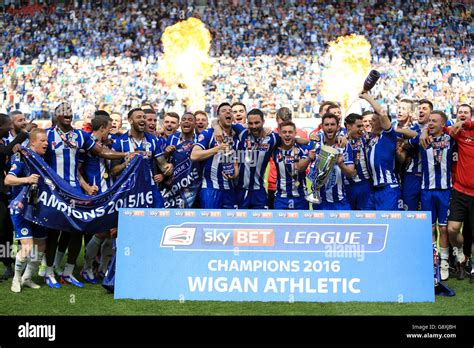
(105, 175)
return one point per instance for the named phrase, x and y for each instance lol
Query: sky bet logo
(238, 237)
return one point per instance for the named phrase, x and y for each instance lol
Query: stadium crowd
(106, 55)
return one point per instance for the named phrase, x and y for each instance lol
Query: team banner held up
(180, 191)
(279, 255)
(59, 206)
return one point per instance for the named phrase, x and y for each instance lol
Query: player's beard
(332, 136)
(138, 128)
(256, 132)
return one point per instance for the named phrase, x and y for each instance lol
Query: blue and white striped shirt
(359, 156)
(414, 163)
(149, 143)
(96, 170)
(259, 151)
(381, 158)
(214, 166)
(63, 157)
(287, 175)
(437, 161)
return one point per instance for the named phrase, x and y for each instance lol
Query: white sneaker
(444, 269)
(16, 285)
(29, 283)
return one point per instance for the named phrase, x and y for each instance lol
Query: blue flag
(62, 207)
(181, 189)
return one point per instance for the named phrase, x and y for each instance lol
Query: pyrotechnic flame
(349, 65)
(186, 62)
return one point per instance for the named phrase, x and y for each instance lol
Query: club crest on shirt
(185, 147)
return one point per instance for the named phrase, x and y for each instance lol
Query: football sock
(92, 249)
(444, 252)
(458, 252)
(49, 271)
(33, 264)
(105, 254)
(20, 264)
(58, 259)
(68, 268)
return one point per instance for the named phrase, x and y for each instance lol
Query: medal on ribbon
(248, 148)
(294, 171)
(438, 148)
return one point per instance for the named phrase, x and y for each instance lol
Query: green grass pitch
(94, 300)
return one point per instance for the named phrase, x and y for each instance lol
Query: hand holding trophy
(325, 162)
(328, 156)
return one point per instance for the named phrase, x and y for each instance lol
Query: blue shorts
(218, 199)
(26, 229)
(411, 191)
(341, 205)
(358, 195)
(252, 199)
(296, 203)
(386, 197)
(436, 201)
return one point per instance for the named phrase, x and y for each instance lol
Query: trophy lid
(329, 149)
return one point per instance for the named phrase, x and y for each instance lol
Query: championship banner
(59, 205)
(180, 191)
(278, 255)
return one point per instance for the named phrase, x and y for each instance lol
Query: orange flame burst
(186, 62)
(343, 79)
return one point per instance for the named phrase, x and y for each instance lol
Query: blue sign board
(278, 255)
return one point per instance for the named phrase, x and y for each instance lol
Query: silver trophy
(324, 164)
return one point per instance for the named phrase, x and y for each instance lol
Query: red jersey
(316, 130)
(463, 180)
